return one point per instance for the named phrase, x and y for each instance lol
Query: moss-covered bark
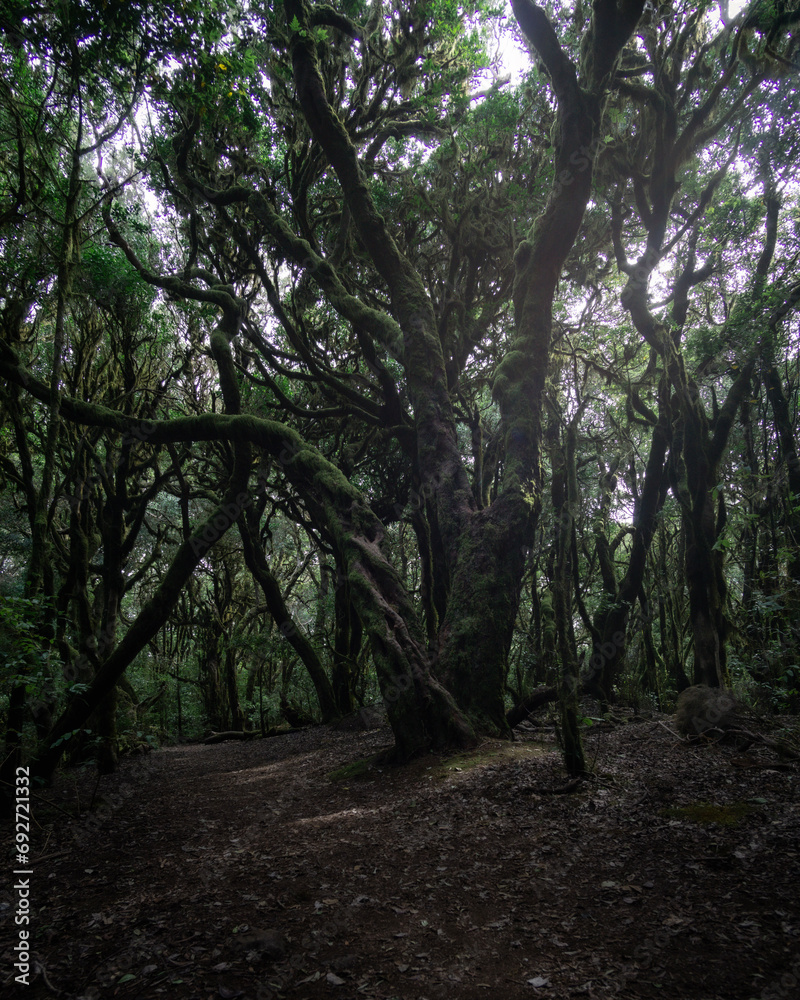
(444, 481)
(695, 484)
(477, 556)
(786, 435)
(475, 637)
(421, 711)
(346, 647)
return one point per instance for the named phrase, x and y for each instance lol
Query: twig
(780, 748)
(49, 857)
(55, 805)
(672, 733)
(53, 989)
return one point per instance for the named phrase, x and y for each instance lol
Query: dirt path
(244, 870)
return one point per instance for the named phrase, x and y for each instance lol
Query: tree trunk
(612, 619)
(257, 563)
(346, 647)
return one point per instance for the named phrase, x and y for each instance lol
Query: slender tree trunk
(612, 620)
(346, 647)
(258, 565)
(564, 490)
(785, 432)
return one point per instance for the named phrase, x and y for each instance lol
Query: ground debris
(670, 874)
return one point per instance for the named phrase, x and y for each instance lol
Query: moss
(523, 255)
(708, 812)
(487, 755)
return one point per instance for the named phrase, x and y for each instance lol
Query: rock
(369, 717)
(702, 708)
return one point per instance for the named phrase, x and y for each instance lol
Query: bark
(232, 734)
(231, 682)
(480, 553)
(146, 625)
(209, 672)
(421, 711)
(541, 696)
(749, 542)
(703, 516)
(115, 549)
(443, 478)
(652, 660)
(156, 611)
(565, 497)
(612, 620)
(475, 637)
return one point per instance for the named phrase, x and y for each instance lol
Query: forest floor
(253, 870)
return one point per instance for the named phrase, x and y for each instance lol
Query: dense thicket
(335, 362)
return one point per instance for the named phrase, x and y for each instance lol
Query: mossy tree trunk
(484, 597)
(786, 435)
(347, 640)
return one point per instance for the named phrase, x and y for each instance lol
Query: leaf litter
(293, 867)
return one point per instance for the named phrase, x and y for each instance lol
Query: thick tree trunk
(479, 555)
(475, 638)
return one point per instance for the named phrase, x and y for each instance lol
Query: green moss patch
(494, 753)
(707, 812)
(433, 765)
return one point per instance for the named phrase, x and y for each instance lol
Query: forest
(340, 367)
(428, 364)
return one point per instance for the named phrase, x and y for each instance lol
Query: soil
(274, 868)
